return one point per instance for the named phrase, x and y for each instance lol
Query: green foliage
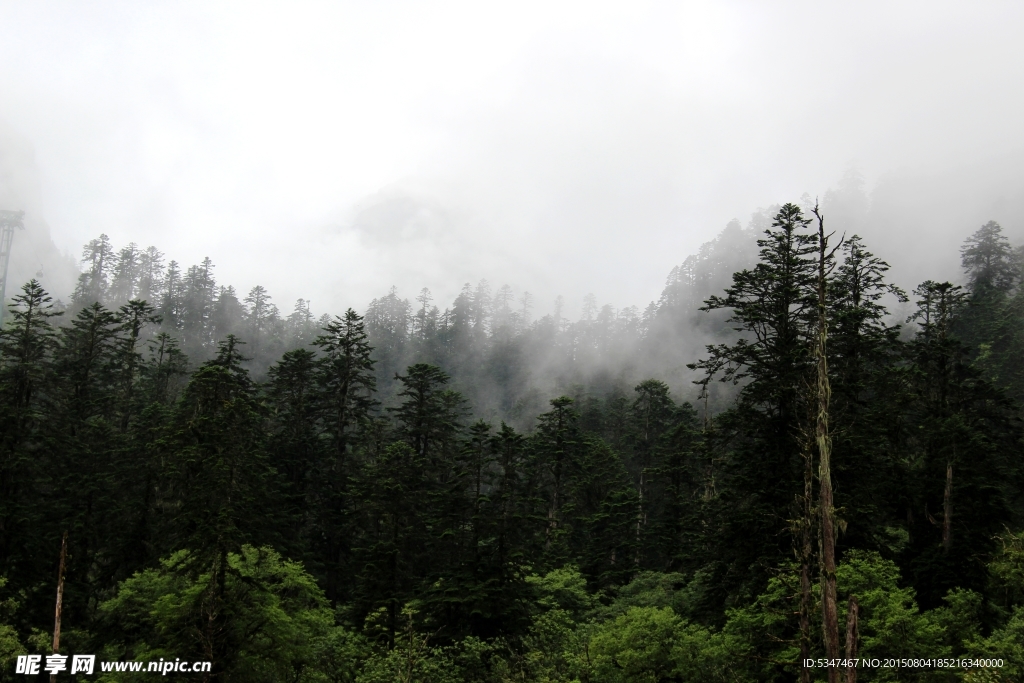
(271, 620)
(10, 646)
(1007, 581)
(648, 644)
(891, 625)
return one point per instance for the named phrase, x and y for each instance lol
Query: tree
(653, 413)
(962, 470)
(392, 556)
(26, 344)
(429, 414)
(98, 254)
(166, 361)
(869, 396)
(126, 275)
(134, 316)
(294, 441)
(260, 312)
(556, 447)
(772, 307)
(823, 439)
(345, 395)
(270, 621)
(387, 327)
(219, 472)
(988, 259)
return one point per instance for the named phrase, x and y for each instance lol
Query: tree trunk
(60, 598)
(829, 615)
(947, 511)
(852, 636)
(806, 524)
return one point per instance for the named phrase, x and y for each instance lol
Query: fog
(332, 150)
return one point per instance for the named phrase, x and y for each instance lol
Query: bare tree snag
(60, 598)
(829, 614)
(852, 637)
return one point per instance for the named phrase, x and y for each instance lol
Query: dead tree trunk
(60, 598)
(829, 614)
(852, 637)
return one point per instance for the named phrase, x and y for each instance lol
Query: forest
(786, 457)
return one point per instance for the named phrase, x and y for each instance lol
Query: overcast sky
(330, 150)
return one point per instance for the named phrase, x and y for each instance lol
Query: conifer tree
(294, 442)
(26, 344)
(98, 257)
(219, 471)
(962, 448)
(134, 317)
(772, 307)
(653, 413)
(346, 385)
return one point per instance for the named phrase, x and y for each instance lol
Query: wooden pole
(60, 598)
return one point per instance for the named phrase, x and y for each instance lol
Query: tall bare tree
(829, 614)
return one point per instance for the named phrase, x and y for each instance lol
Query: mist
(332, 151)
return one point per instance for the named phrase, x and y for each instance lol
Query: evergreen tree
(771, 306)
(27, 342)
(653, 413)
(294, 443)
(345, 390)
(134, 317)
(126, 274)
(218, 469)
(988, 259)
(98, 256)
(869, 394)
(962, 469)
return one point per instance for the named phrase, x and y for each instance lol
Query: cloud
(330, 150)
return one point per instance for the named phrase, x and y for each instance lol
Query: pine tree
(220, 474)
(988, 259)
(771, 306)
(653, 415)
(92, 286)
(346, 386)
(172, 302)
(387, 327)
(962, 469)
(198, 291)
(869, 394)
(429, 414)
(556, 448)
(294, 442)
(126, 274)
(166, 362)
(228, 313)
(392, 562)
(26, 344)
(151, 275)
(220, 479)
(260, 313)
(134, 317)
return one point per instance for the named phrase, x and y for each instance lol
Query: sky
(332, 150)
